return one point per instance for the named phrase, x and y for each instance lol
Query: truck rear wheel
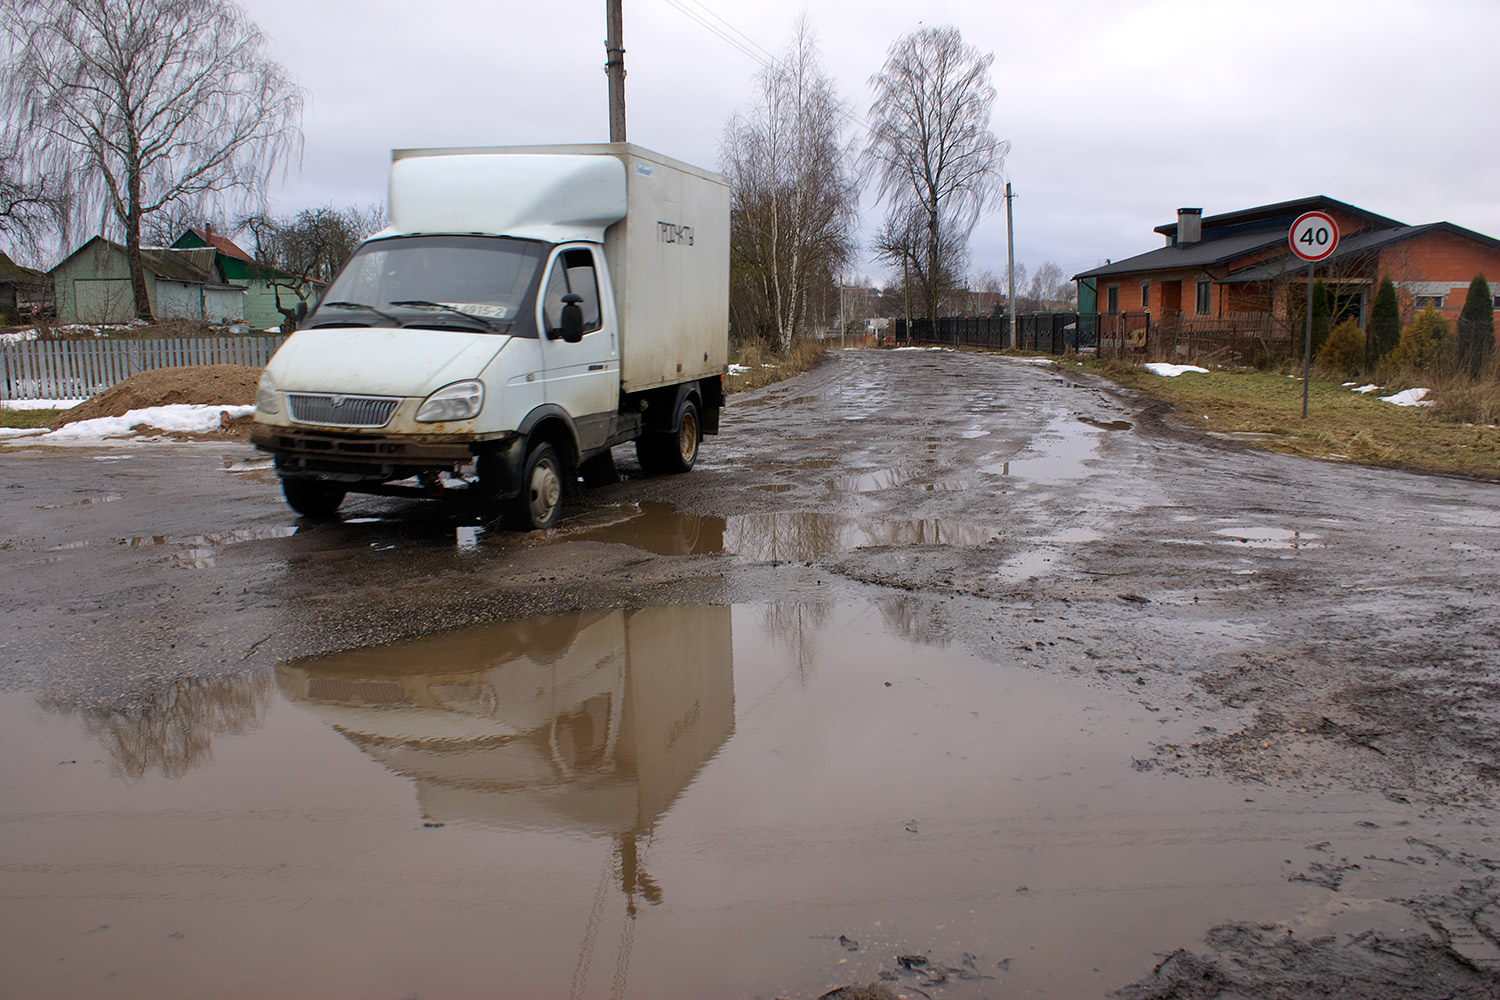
(672, 453)
(312, 498)
(539, 504)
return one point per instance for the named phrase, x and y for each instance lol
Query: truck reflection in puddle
(588, 723)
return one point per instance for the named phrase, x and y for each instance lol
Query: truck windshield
(482, 283)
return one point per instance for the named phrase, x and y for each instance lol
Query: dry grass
(1341, 425)
(764, 366)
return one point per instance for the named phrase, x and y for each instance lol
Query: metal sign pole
(1307, 342)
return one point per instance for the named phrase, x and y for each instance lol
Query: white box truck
(528, 309)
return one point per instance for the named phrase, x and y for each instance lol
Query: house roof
(1288, 210)
(1233, 235)
(1360, 244)
(11, 271)
(191, 266)
(1189, 255)
(209, 238)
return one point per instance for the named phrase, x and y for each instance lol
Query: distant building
(1239, 266)
(92, 285)
(263, 284)
(18, 284)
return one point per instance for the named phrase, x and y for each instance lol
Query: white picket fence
(77, 369)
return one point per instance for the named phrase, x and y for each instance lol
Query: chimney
(1189, 225)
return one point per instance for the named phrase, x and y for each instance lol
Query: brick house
(1237, 268)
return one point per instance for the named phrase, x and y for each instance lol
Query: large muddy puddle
(748, 801)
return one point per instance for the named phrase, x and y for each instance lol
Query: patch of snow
(738, 369)
(1409, 397)
(1366, 388)
(38, 404)
(186, 417)
(1172, 371)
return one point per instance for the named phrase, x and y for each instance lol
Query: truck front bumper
(356, 458)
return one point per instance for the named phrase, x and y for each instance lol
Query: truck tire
(672, 453)
(312, 498)
(539, 504)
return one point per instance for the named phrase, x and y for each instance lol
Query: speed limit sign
(1314, 236)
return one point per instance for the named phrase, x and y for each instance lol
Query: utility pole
(1010, 254)
(614, 66)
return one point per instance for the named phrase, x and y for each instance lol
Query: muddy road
(957, 675)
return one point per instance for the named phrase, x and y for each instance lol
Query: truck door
(582, 378)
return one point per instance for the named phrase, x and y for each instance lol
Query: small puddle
(1269, 538)
(782, 536)
(1107, 425)
(84, 502)
(766, 799)
(1063, 451)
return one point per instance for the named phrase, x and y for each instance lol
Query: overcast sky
(1118, 112)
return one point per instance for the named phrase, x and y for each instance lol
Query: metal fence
(77, 369)
(1108, 335)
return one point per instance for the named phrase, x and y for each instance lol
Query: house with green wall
(92, 285)
(263, 284)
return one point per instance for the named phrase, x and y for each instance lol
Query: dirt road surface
(1248, 702)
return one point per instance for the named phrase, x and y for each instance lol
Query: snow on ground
(185, 417)
(38, 404)
(1372, 387)
(1409, 397)
(1172, 371)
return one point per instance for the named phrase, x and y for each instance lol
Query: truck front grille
(332, 410)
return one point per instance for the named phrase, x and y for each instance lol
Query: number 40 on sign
(1314, 236)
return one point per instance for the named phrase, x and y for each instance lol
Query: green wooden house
(92, 285)
(263, 284)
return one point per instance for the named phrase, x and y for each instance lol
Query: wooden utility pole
(614, 66)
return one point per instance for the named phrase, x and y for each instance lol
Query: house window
(1145, 295)
(1205, 298)
(1112, 299)
(1497, 301)
(1423, 301)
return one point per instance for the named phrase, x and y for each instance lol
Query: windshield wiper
(424, 304)
(360, 305)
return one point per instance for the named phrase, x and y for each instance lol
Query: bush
(1322, 316)
(1426, 346)
(1385, 324)
(1476, 327)
(1343, 353)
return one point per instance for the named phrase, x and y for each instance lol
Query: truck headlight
(265, 395)
(459, 401)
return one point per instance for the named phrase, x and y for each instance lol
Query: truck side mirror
(301, 311)
(571, 318)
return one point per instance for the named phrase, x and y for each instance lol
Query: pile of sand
(215, 385)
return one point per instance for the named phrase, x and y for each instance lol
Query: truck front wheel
(539, 504)
(311, 498)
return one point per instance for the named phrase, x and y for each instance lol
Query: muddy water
(756, 800)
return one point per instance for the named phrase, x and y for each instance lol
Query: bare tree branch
(792, 193)
(932, 154)
(147, 104)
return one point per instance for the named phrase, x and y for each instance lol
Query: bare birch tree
(792, 192)
(147, 103)
(931, 151)
(296, 252)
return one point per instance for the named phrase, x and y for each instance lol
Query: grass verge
(1265, 410)
(759, 366)
(25, 418)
